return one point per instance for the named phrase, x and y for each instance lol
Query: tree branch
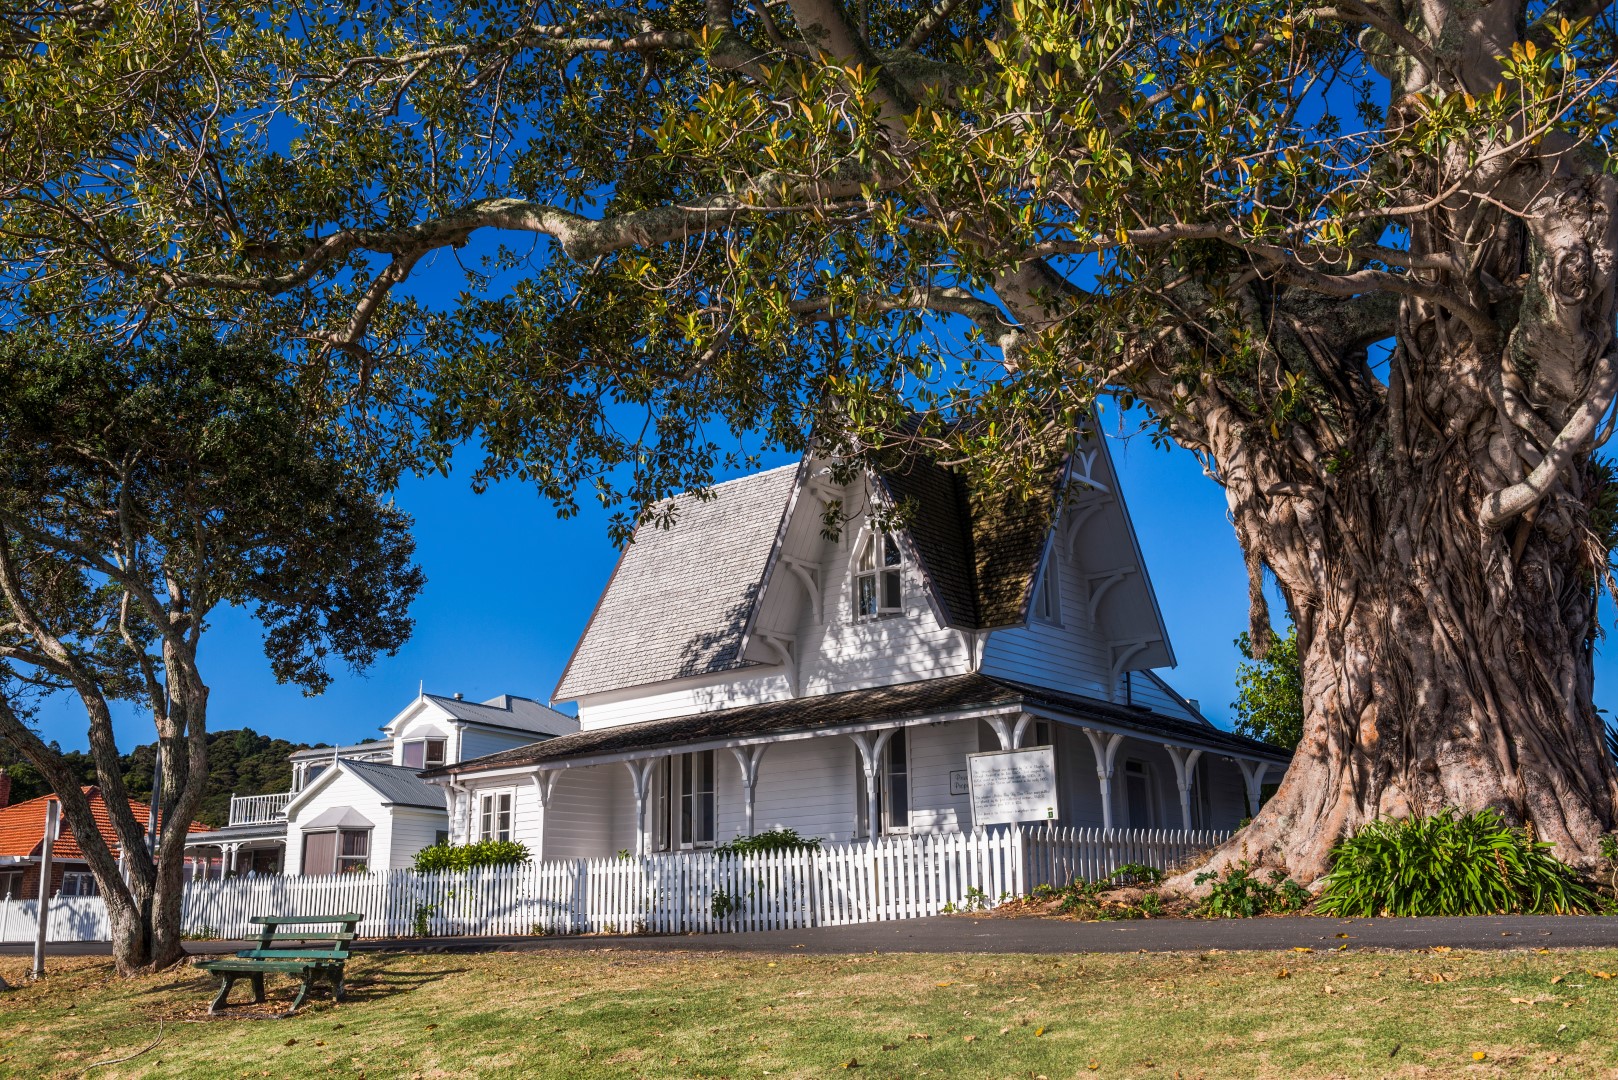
(1574, 439)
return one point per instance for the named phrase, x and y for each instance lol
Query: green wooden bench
(306, 952)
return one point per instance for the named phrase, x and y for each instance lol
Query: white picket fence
(70, 918)
(896, 877)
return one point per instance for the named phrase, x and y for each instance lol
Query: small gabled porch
(847, 767)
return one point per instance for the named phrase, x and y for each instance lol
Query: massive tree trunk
(1441, 543)
(1444, 663)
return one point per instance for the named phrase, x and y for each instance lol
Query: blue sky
(510, 587)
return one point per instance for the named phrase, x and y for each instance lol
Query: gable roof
(396, 784)
(22, 827)
(680, 598)
(926, 698)
(508, 711)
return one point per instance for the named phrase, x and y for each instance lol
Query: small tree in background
(1269, 691)
(139, 492)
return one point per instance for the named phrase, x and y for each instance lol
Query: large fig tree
(1357, 254)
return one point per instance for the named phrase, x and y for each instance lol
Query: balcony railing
(259, 809)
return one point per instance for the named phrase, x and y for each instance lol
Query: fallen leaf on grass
(1302, 948)
(1283, 974)
(1602, 974)
(1038, 1032)
(1478, 1055)
(919, 1035)
(1329, 990)
(969, 1038)
(1005, 1031)
(1557, 979)
(1441, 948)
(851, 1063)
(1524, 1001)
(1379, 1001)
(943, 984)
(1094, 1065)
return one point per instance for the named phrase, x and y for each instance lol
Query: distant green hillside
(240, 762)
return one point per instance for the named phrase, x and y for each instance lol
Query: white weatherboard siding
(1071, 656)
(806, 785)
(935, 751)
(581, 820)
(478, 741)
(342, 790)
(682, 697)
(412, 829)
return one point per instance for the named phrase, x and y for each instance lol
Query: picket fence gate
(895, 877)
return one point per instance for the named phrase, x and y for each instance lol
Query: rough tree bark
(1434, 537)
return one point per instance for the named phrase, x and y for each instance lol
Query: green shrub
(1450, 864)
(1241, 894)
(439, 857)
(769, 841)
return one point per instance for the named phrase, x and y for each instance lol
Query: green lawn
(620, 1013)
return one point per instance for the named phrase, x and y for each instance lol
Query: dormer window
(423, 754)
(878, 580)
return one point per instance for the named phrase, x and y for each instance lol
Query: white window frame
(426, 745)
(1048, 593)
(880, 574)
(492, 807)
(680, 838)
(663, 803)
(884, 788)
(352, 863)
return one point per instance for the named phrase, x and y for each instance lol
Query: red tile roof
(22, 827)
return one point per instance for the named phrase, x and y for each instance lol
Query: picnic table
(307, 952)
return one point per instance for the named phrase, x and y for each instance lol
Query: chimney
(5, 788)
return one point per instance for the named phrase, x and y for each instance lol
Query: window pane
(413, 757)
(862, 817)
(898, 783)
(890, 550)
(685, 799)
(898, 801)
(319, 853)
(486, 817)
(356, 842)
(865, 602)
(892, 596)
(867, 557)
(503, 824)
(435, 751)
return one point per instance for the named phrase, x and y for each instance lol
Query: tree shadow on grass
(374, 980)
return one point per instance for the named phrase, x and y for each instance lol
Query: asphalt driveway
(964, 933)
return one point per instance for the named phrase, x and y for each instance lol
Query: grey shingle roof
(680, 598)
(508, 711)
(909, 700)
(397, 784)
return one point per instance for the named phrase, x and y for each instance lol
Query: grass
(614, 1013)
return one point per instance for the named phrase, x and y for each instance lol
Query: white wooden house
(743, 671)
(365, 806)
